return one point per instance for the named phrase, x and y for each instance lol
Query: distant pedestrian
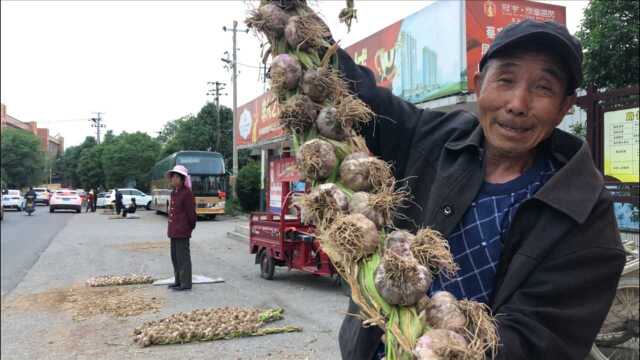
(94, 203)
(90, 196)
(131, 209)
(182, 221)
(119, 204)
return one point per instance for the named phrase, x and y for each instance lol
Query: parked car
(13, 200)
(83, 194)
(65, 199)
(101, 200)
(42, 195)
(142, 199)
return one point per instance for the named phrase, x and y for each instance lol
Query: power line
(97, 123)
(234, 64)
(215, 91)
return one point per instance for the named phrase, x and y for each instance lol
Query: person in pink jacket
(182, 221)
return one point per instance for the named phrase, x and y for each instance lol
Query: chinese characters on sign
(485, 19)
(621, 150)
(258, 121)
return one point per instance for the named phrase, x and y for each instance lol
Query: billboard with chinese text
(484, 19)
(430, 54)
(258, 121)
(415, 63)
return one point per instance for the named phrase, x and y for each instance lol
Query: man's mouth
(513, 128)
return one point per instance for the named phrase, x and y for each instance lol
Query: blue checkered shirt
(477, 241)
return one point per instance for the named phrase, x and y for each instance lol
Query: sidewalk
(38, 323)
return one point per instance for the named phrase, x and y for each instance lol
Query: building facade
(53, 146)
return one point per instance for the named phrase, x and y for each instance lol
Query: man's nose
(519, 102)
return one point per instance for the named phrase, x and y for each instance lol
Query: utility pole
(97, 123)
(234, 64)
(218, 87)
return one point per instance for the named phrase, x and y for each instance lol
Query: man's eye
(545, 88)
(505, 80)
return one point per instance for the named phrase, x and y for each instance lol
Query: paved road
(24, 238)
(38, 321)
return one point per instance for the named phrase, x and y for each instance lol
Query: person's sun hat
(182, 170)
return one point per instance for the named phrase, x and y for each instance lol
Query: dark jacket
(118, 198)
(182, 213)
(562, 256)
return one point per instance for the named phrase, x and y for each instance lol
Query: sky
(144, 63)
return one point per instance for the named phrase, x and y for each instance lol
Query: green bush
(248, 183)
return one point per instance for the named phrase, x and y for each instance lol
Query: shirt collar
(576, 186)
(475, 140)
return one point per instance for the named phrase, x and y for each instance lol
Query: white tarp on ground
(195, 279)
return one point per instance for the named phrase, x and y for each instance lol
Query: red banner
(258, 121)
(377, 52)
(285, 170)
(485, 19)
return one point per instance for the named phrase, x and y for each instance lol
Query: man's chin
(510, 149)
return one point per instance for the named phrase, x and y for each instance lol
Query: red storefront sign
(485, 19)
(258, 121)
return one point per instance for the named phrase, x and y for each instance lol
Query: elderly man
(523, 207)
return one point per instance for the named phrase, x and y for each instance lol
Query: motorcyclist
(30, 199)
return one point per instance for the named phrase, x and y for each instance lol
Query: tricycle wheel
(267, 266)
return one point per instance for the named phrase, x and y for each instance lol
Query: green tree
(248, 183)
(199, 132)
(609, 34)
(22, 161)
(129, 157)
(109, 137)
(67, 164)
(579, 129)
(90, 173)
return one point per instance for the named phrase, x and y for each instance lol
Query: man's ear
(567, 104)
(477, 81)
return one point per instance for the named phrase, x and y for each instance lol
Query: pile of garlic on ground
(210, 324)
(116, 280)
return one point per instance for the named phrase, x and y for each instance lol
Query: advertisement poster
(258, 121)
(281, 171)
(485, 19)
(285, 170)
(418, 64)
(275, 192)
(621, 150)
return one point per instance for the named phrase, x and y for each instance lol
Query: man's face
(521, 99)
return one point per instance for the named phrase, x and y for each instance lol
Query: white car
(65, 199)
(101, 201)
(13, 200)
(142, 199)
(42, 195)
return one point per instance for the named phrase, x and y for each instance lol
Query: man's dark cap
(552, 35)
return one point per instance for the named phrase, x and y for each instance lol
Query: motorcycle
(29, 206)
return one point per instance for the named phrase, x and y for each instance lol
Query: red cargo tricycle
(283, 240)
